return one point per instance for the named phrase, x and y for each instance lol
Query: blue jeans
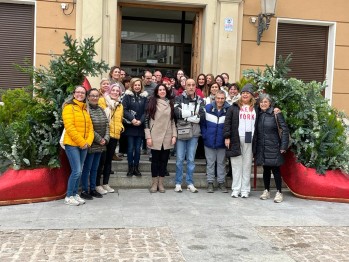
(76, 157)
(186, 148)
(133, 149)
(90, 170)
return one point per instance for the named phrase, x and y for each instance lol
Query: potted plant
(316, 165)
(31, 126)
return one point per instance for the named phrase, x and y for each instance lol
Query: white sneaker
(278, 197)
(245, 195)
(192, 189)
(108, 188)
(101, 190)
(235, 194)
(79, 199)
(265, 195)
(178, 188)
(71, 201)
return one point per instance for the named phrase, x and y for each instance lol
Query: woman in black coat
(270, 146)
(134, 103)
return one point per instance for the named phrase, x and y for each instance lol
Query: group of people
(164, 113)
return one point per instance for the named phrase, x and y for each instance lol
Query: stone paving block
(133, 244)
(310, 243)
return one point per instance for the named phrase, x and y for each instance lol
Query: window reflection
(150, 53)
(151, 31)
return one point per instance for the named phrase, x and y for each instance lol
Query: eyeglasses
(94, 96)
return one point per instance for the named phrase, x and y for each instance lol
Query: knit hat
(248, 88)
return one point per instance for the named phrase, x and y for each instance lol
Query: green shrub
(28, 131)
(318, 131)
(31, 126)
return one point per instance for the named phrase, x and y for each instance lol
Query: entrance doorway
(154, 38)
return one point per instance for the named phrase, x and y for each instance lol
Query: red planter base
(35, 185)
(306, 183)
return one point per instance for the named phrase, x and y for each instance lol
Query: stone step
(145, 165)
(120, 180)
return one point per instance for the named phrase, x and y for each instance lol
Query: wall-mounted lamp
(267, 12)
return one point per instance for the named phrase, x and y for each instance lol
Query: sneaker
(244, 195)
(278, 197)
(101, 190)
(71, 201)
(192, 189)
(265, 195)
(86, 195)
(210, 188)
(235, 194)
(178, 188)
(108, 188)
(222, 187)
(79, 199)
(94, 193)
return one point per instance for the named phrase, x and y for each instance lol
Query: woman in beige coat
(160, 133)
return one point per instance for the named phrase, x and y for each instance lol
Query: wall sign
(228, 24)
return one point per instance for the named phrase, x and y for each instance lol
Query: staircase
(120, 180)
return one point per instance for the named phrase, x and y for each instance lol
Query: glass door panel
(151, 53)
(151, 31)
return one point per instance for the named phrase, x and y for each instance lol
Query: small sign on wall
(228, 24)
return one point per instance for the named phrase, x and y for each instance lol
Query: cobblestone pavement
(310, 243)
(136, 244)
(313, 244)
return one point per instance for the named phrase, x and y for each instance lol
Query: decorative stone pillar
(97, 18)
(228, 35)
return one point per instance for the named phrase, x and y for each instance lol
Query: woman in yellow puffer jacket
(77, 138)
(114, 111)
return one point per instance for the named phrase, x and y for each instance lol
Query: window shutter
(16, 43)
(308, 45)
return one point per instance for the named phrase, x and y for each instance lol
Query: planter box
(34, 185)
(307, 183)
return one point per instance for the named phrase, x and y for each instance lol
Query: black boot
(136, 171)
(130, 171)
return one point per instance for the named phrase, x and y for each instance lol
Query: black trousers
(159, 162)
(123, 144)
(267, 175)
(105, 162)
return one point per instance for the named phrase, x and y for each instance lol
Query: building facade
(209, 36)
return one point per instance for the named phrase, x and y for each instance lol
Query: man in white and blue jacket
(212, 133)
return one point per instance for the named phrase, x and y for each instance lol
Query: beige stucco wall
(253, 56)
(51, 25)
(221, 51)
